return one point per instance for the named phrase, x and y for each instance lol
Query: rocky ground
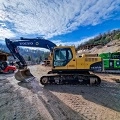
(32, 101)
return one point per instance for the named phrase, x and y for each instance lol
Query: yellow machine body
(68, 68)
(82, 62)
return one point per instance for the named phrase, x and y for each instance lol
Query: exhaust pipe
(22, 75)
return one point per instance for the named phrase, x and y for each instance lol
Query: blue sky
(66, 22)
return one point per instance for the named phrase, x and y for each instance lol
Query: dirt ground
(32, 101)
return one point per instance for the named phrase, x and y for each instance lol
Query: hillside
(113, 46)
(108, 42)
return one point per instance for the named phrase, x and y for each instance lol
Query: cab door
(71, 60)
(60, 59)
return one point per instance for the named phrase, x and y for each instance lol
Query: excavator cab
(66, 60)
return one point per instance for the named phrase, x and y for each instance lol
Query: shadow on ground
(57, 109)
(107, 94)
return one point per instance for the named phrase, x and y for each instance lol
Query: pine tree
(29, 58)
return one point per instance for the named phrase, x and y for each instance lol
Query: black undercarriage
(65, 77)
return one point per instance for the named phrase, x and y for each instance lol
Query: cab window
(62, 56)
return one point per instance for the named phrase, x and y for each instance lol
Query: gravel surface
(32, 101)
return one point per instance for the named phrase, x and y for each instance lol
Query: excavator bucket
(23, 75)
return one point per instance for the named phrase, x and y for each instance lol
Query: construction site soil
(32, 101)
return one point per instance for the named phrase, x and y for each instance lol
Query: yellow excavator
(67, 67)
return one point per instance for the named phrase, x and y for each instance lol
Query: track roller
(95, 80)
(44, 80)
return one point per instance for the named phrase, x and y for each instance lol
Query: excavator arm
(23, 72)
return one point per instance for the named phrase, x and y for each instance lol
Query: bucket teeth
(22, 75)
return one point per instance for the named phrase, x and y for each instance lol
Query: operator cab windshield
(62, 56)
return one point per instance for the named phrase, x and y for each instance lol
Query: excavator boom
(23, 72)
